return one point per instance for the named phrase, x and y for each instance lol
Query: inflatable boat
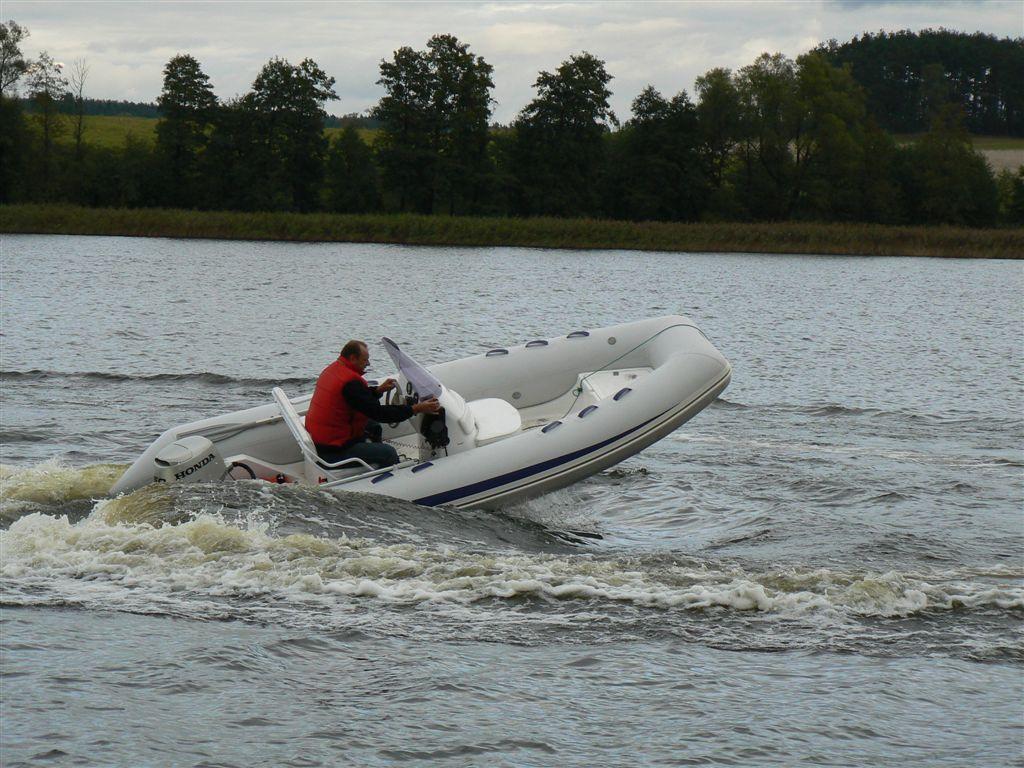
(516, 422)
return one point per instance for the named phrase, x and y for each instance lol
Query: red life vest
(330, 420)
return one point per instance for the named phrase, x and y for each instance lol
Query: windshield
(423, 381)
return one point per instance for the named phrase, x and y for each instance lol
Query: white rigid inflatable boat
(517, 422)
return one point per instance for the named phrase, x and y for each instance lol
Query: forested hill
(909, 75)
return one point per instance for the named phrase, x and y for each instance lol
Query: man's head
(357, 354)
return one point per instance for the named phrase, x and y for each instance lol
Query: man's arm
(362, 399)
(385, 386)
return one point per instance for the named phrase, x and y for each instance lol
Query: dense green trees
(770, 120)
(187, 106)
(13, 138)
(945, 181)
(792, 140)
(286, 103)
(352, 183)
(780, 139)
(829, 154)
(718, 125)
(12, 62)
(1011, 196)
(558, 150)
(909, 76)
(406, 158)
(800, 128)
(655, 171)
(46, 87)
(233, 165)
(434, 127)
(263, 151)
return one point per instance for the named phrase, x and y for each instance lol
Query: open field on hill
(366, 134)
(787, 237)
(1001, 152)
(112, 132)
(1004, 159)
(983, 143)
(980, 143)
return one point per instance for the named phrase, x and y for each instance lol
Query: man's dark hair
(353, 348)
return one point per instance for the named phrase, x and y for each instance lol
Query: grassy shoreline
(782, 237)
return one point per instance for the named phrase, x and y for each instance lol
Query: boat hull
(588, 401)
(514, 491)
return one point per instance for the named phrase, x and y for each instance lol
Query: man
(344, 405)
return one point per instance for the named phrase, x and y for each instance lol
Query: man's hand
(386, 386)
(430, 405)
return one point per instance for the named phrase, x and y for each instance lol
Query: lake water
(822, 568)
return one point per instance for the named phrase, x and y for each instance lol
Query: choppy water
(825, 567)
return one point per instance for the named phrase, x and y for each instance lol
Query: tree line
(67, 104)
(779, 139)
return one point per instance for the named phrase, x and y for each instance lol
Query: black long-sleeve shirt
(364, 399)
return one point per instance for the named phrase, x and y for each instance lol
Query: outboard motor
(192, 459)
(434, 431)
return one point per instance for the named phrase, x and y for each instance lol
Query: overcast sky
(667, 44)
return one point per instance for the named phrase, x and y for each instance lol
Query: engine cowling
(192, 459)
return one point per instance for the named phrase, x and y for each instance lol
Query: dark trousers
(368, 448)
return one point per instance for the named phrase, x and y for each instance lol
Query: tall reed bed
(782, 237)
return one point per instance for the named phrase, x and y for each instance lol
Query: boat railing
(370, 474)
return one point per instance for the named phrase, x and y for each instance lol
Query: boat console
(463, 425)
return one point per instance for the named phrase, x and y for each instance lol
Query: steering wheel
(393, 397)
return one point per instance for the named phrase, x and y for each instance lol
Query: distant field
(111, 132)
(1004, 159)
(998, 142)
(980, 143)
(366, 134)
(1003, 153)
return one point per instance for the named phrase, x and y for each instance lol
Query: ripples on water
(824, 566)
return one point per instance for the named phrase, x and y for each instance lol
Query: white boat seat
(478, 421)
(315, 467)
(494, 418)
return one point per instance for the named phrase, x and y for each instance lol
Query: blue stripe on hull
(472, 489)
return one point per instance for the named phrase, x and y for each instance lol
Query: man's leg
(374, 431)
(379, 454)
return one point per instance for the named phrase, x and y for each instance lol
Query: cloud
(526, 38)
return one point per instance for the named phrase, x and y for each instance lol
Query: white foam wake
(105, 560)
(28, 489)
